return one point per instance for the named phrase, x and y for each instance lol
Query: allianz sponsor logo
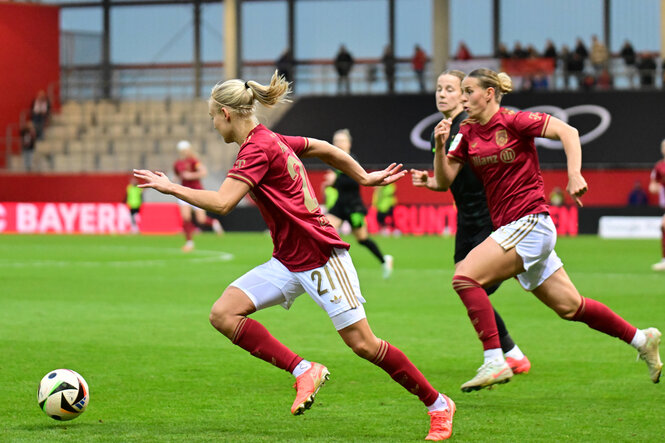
(421, 140)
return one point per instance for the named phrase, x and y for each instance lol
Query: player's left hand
(156, 180)
(577, 187)
(382, 178)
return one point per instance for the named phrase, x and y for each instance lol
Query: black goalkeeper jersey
(467, 189)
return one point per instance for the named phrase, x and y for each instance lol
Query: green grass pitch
(130, 313)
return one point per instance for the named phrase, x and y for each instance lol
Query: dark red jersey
(189, 164)
(658, 174)
(503, 155)
(302, 236)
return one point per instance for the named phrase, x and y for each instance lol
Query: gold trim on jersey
(241, 178)
(547, 121)
(521, 232)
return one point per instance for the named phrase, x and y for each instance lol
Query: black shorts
(354, 212)
(468, 238)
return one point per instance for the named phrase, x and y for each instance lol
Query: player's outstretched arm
(570, 139)
(342, 161)
(221, 202)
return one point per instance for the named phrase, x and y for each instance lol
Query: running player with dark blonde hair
(308, 254)
(474, 224)
(499, 146)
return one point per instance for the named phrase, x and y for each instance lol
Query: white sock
(495, 355)
(439, 404)
(302, 367)
(639, 339)
(515, 353)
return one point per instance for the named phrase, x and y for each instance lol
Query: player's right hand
(442, 131)
(419, 178)
(156, 180)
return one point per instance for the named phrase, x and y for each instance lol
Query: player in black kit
(347, 204)
(473, 218)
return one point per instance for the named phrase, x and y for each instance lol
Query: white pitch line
(212, 256)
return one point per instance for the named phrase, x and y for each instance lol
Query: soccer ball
(63, 394)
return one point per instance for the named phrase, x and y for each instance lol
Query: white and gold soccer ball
(63, 394)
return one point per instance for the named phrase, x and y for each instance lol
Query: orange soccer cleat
(441, 422)
(519, 366)
(307, 385)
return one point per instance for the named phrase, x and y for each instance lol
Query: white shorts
(333, 286)
(533, 237)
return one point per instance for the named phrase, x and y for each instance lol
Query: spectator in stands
(600, 56)
(550, 50)
(532, 52)
(581, 50)
(519, 52)
(565, 57)
(463, 52)
(388, 60)
(40, 111)
(343, 64)
(629, 58)
(539, 82)
(638, 196)
(575, 68)
(28, 138)
(628, 53)
(647, 69)
(285, 65)
(502, 51)
(604, 81)
(418, 61)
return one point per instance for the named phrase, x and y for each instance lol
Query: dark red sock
(479, 309)
(601, 318)
(188, 227)
(254, 338)
(662, 241)
(400, 369)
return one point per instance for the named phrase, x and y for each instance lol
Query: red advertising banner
(86, 218)
(442, 219)
(527, 66)
(164, 218)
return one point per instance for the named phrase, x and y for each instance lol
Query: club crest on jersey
(535, 116)
(240, 163)
(507, 155)
(501, 138)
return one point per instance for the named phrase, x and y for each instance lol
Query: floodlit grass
(130, 313)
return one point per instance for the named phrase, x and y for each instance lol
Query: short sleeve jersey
(188, 164)
(658, 175)
(503, 155)
(269, 163)
(467, 189)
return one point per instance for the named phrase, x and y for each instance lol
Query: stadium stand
(108, 136)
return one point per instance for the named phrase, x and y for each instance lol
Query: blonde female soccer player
(499, 146)
(308, 254)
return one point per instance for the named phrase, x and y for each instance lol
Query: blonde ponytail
(241, 97)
